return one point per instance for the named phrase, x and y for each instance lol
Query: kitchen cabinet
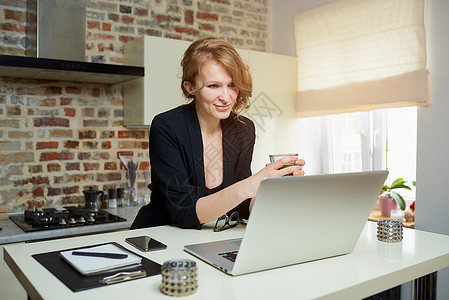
(272, 104)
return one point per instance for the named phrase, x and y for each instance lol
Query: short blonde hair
(213, 48)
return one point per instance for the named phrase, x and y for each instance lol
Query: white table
(370, 268)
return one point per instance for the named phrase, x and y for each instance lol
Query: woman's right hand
(275, 170)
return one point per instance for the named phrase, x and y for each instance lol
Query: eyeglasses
(224, 222)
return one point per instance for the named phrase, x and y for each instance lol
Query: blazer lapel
(196, 143)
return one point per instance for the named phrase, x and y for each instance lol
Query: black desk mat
(77, 282)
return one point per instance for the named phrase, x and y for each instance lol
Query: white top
(372, 267)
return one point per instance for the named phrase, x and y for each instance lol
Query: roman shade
(357, 55)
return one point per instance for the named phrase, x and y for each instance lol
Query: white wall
(432, 205)
(433, 124)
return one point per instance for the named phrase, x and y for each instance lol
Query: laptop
(297, 219)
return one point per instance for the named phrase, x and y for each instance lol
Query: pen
(101, 254)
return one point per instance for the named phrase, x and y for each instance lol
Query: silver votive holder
(389, 230)
(179, 277)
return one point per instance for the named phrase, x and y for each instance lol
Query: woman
(201, 152)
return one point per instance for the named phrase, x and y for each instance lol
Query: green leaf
(402, 186)
(399, 200)
(398, 182)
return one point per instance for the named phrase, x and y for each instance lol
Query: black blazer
(177, 166)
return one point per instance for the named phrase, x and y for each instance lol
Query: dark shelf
(65, 70)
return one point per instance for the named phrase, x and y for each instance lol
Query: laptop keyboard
(231, 255)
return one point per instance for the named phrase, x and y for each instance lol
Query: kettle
(91, 199)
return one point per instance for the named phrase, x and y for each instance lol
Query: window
(375, 140)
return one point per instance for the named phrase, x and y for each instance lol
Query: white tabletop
(372, 267)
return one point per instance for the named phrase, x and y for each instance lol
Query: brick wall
(58, 138)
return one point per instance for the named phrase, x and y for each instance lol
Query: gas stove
(59, 218)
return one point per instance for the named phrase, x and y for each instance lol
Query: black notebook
(74, 280)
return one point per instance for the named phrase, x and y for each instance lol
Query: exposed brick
(87, 134)
(108, 177)
(106, 26)
(206, 16)
(95, 92)
(53, 167)
(84, 156)
(50, 121)
(46, 145)
(49, 156)
(34, 204)
(88, 112)
(20, 134)
(35, 169)
(71, 144)
(90, 145)
(73, 178)
(38, 192)
(51, 90)
(5, 158)
(61, 133)
(14, 111)
(127, 19)
(91, 166)
(141, 12)
(188, 17)
(106, 145)
(12, 27)
(72, 200)
(95, 123)
(135, 134)
(107, 134)
(207, 27)
(39, 180)
(10, 123)
(110, 166)
(66, 100)
(70, 190)
(24, 157)
(113, 17)
(69, 112)
(13, 15)
(48, 102)
(54, 191)
(186, 30)
(127, 144)
(93, 25)
(105, 37)
(72, 166)
(144, 165)
(125, 9)
(9, 146)
(103, 113)
(103, 156)
(73, 90)
(125, 39)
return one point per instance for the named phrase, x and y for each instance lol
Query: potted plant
(390, 199)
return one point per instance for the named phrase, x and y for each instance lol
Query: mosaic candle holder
(389, 230)
(179, 277)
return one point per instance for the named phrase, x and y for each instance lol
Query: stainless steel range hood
(56, 51)
(57, 29)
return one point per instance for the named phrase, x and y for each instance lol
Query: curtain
(356, 55)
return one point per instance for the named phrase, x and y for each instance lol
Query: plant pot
(386, 204)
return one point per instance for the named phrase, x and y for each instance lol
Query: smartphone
(145, 243)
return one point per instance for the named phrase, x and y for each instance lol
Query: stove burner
(71, 216)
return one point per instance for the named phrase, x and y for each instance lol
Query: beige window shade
(358, 55)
